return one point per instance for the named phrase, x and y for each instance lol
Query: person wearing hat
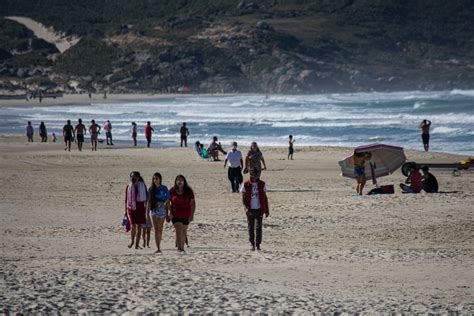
(236, 163)
(255, 200)
(429, 182)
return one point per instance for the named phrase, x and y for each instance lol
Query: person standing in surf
(359, 169)
(425, 133)
(148, 132)
(236, 163)
(80, 130)
(254, 198)
(135, 206)
(68, 134)
(184, 133)
(94, 131)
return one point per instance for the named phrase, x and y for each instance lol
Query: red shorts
(137, 216)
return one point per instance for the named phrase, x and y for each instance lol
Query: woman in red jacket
(182, 206)
(255, 200)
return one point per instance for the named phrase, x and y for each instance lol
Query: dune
(60, 40)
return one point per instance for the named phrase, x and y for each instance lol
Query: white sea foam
(327, 119)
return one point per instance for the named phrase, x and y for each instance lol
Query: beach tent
(385, 160)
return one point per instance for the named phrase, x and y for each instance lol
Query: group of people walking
(147, 208)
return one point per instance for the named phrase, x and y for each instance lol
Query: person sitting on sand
(214, 149)
(135, 206)
(134, 133)
(182, 208)
(425, 133)
(80, 130)
(68, 133)
(43, 133)
(429, 182)
(158, 207)
(359, 169)
(94, 131)
(30, 131)
(414, 179)
(254, 160)
(291, 150)
(255, 201)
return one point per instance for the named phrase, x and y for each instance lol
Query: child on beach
(290, 147)
(54, 137)
(182, 208)
(135, 206)
(255, 200)
(158, 207)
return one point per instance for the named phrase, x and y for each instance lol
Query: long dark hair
(137, 176)
(153, 187)
(187, 190)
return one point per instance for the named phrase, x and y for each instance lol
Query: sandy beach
(69, 99)
(324, 249)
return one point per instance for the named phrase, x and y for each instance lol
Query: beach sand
(324, 249)
(69, 99)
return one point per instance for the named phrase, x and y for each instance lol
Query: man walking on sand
(68, 133)
(236, 163)
(255, 200)
(425, 133)
(94, 131)
(80, 130)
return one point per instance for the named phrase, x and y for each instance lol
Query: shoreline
(123, 145)
(83, 99)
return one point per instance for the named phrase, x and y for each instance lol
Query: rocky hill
(274, 46)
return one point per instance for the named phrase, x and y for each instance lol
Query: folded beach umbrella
(385, 160)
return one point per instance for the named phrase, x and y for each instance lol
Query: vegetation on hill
(281, 46)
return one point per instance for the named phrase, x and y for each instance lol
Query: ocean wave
(469, 93)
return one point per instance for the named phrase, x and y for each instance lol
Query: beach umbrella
(385, 160)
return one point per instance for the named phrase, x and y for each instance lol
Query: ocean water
(324, 119)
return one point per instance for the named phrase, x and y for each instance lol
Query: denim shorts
(158, 212)
(359, 171)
